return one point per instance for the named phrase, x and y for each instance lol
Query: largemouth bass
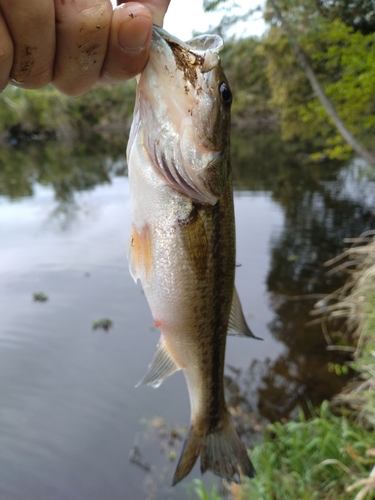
(182, 244)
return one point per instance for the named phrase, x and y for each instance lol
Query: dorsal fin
(237, 323)
(161, 366)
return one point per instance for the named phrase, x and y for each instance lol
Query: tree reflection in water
(319, 210)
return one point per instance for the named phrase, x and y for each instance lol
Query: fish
(182, 242)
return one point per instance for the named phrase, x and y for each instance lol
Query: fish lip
(213, 47)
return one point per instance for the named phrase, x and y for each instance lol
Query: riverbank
(331, 454)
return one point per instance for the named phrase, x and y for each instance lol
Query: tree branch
(321, 95)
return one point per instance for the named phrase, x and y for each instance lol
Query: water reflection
(68, 167)
(323, 204)
(292, 216)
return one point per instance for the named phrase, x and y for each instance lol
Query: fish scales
(182, 245)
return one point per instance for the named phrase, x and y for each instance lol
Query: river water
(69, 410)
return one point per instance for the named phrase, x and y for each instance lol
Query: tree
(358, 14)
(327, 104)
(331, 102)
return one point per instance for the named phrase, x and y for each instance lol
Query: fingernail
(134, 38)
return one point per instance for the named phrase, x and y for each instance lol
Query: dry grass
(356, 303)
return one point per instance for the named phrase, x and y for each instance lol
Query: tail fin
(221, 451)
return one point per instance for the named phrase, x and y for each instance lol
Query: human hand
(75, 44)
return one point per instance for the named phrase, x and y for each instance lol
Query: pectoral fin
(237, 322)
(140, 253)
(161, 366)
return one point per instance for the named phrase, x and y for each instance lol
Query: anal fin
(161, 366)
(237, 322)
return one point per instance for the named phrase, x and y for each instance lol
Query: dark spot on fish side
(131, 15)
(195, 240)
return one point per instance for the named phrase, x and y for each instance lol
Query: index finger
(32, 28)
(82, 31)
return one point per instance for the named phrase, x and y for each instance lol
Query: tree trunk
(318, 89)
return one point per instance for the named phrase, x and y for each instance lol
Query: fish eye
(226, 93)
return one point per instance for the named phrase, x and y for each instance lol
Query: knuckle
(35, 12)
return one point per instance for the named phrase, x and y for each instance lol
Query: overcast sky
(185, 16)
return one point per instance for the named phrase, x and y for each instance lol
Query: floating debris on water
(103, 324)
(135, 457)
(40, 297)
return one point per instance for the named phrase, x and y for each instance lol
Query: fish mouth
(200, 51)
(198, 45)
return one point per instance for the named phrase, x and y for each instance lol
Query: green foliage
(30, 110)
(233, 13)
(202, 493)
(358, 14)
(212, 5)
(48, 110)
(338, 38)
(289, 85)
(344, 62)
(349, 60)
(308, 459)
(338, 369)
(245, 65)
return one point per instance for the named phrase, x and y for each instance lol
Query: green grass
(311, 459)
(318, 458)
